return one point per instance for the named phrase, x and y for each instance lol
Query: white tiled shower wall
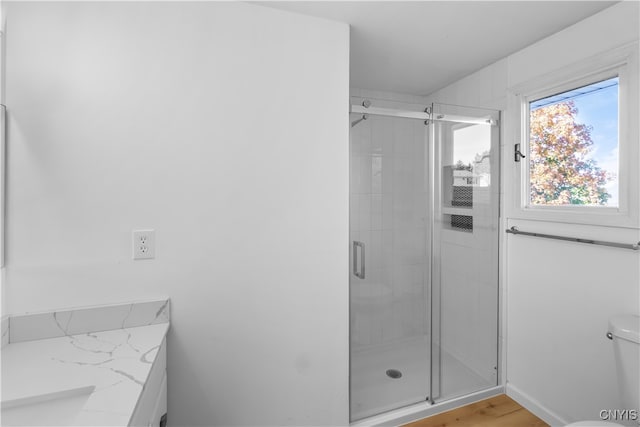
(388, 214)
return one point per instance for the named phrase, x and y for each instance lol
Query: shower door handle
(358, 272)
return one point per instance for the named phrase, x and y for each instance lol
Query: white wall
(223, 126)
(558, 296)
(3, 299)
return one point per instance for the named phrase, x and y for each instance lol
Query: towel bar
(632, 246)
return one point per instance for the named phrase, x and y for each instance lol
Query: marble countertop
(117, 362)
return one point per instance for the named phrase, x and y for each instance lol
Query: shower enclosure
(424, 254)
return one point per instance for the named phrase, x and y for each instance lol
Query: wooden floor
(499, 411)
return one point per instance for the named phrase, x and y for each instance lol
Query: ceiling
(417, 47)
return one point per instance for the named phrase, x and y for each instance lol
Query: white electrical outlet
(144, 244)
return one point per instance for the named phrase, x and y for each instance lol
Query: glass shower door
(424, 255)
(464, 292)
(389, 264)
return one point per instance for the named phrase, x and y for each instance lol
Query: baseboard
(535, 407)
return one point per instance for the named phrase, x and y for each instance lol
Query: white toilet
(625, 332)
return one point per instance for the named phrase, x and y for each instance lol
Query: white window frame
(623, 63)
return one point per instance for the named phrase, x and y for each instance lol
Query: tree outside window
(573, 157)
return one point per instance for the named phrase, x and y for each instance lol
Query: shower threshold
(421, 410)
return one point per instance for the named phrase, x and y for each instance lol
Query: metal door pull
(358, 272)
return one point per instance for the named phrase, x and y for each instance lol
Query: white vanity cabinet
(160, 409)
(152, 404)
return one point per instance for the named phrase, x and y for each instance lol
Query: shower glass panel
(389, 263)
(464, 290)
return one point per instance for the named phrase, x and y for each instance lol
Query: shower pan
(424, 194)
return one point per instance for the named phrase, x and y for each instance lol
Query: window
(573, 147)
(578, 129)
